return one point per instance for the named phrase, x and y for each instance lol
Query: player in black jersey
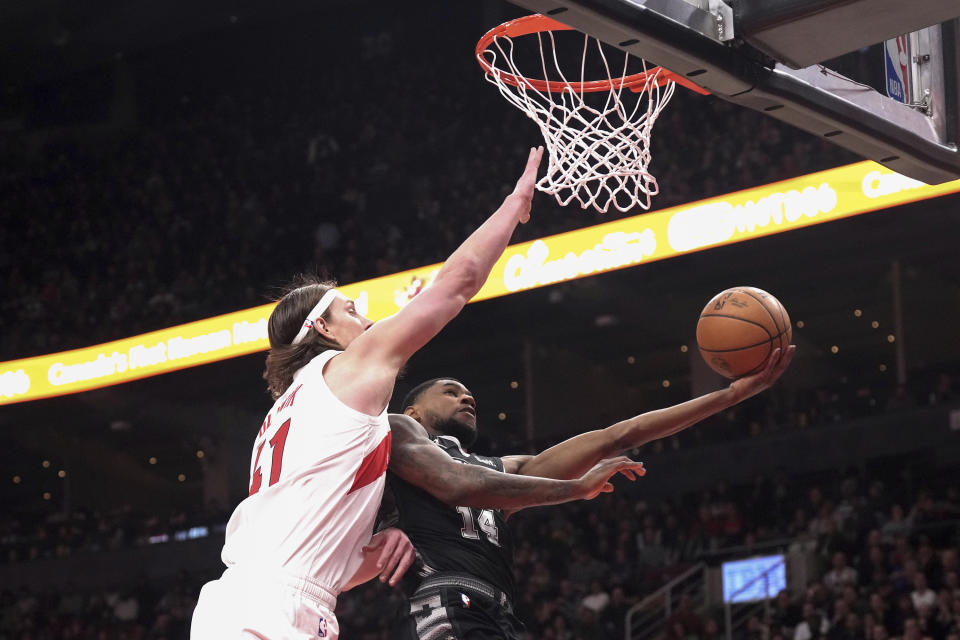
(465, 585)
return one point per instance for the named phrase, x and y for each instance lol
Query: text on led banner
(735, 217)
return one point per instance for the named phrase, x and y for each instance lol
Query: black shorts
(459, 613)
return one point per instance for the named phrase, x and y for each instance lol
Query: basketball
(739, 328)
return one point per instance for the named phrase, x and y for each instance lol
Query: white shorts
(263, 606)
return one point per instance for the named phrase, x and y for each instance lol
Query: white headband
(316, 312)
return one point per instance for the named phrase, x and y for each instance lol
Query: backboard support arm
(684, 38)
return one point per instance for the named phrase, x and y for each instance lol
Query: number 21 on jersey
(275, 460)
(484, 520)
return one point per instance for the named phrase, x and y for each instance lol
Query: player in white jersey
(317, 468)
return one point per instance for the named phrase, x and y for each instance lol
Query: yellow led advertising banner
(735, 217)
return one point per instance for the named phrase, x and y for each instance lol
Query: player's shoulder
(311, 374)
(316, 366)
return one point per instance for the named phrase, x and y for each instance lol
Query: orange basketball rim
(538, 23)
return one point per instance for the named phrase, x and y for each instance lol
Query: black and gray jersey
(461, 539)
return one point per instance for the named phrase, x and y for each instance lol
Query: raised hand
(597, 480)
(777, 363)
(528, 181)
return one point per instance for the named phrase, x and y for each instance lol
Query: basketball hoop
(598, 155)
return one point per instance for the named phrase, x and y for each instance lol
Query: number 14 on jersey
(484, 520)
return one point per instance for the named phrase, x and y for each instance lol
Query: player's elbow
(464, 278)
(616, 439)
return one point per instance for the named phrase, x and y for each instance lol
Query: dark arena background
(162, 163)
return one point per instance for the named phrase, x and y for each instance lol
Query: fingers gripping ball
(739, 328)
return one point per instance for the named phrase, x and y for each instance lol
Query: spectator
(922, 595)
(898, 525)
(901, 613)
(588, 626)
(711, 630)
(912, 631)
(849, 628)
(756, 630)
(840, 575)
(615, 615)
(813, 626)
(786, 613)
(597, 600)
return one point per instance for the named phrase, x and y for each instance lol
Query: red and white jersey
(316, 479)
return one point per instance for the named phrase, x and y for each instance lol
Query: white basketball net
(598, 156)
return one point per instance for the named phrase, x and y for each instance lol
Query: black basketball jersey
(461, 539)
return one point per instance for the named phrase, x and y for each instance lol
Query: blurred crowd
(34, 536)
(886, 546)
(226, 184)
(144, 609)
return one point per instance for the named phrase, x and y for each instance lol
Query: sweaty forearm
(574, 457)
(463, 485)
(664, 423)
(474, 486)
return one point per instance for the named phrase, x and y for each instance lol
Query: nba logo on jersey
(322, 630)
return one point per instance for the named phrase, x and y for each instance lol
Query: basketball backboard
(768, 55)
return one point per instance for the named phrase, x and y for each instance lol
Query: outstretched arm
(572, 457)
(364, 375)
(417, 460)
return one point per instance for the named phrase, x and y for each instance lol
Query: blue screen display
(754, 578)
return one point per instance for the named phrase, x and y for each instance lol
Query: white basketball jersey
(316, 479)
